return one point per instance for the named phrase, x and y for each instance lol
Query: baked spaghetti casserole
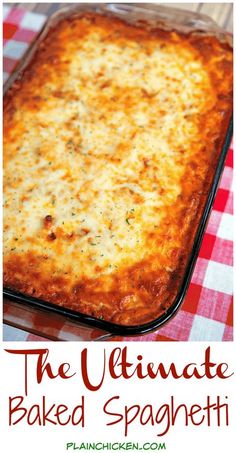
(111, 140)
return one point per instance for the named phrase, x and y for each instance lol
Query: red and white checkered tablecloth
(207, 311)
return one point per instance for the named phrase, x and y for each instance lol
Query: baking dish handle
(51, 326)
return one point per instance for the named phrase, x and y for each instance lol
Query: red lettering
(163, 413)
(42, 365)
(44, 413)
(85, 374)
(221, 371)
(146, 415)
(16, 408)
(118, 416)
(131, 414)
(194, 410)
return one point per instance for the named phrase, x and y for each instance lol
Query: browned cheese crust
(111, 141)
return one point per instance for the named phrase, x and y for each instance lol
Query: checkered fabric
(207, 311)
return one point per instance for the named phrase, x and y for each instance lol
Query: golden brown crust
(134, 291)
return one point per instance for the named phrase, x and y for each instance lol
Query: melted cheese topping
(100, 141)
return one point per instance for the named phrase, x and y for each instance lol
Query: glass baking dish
(58, 323)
